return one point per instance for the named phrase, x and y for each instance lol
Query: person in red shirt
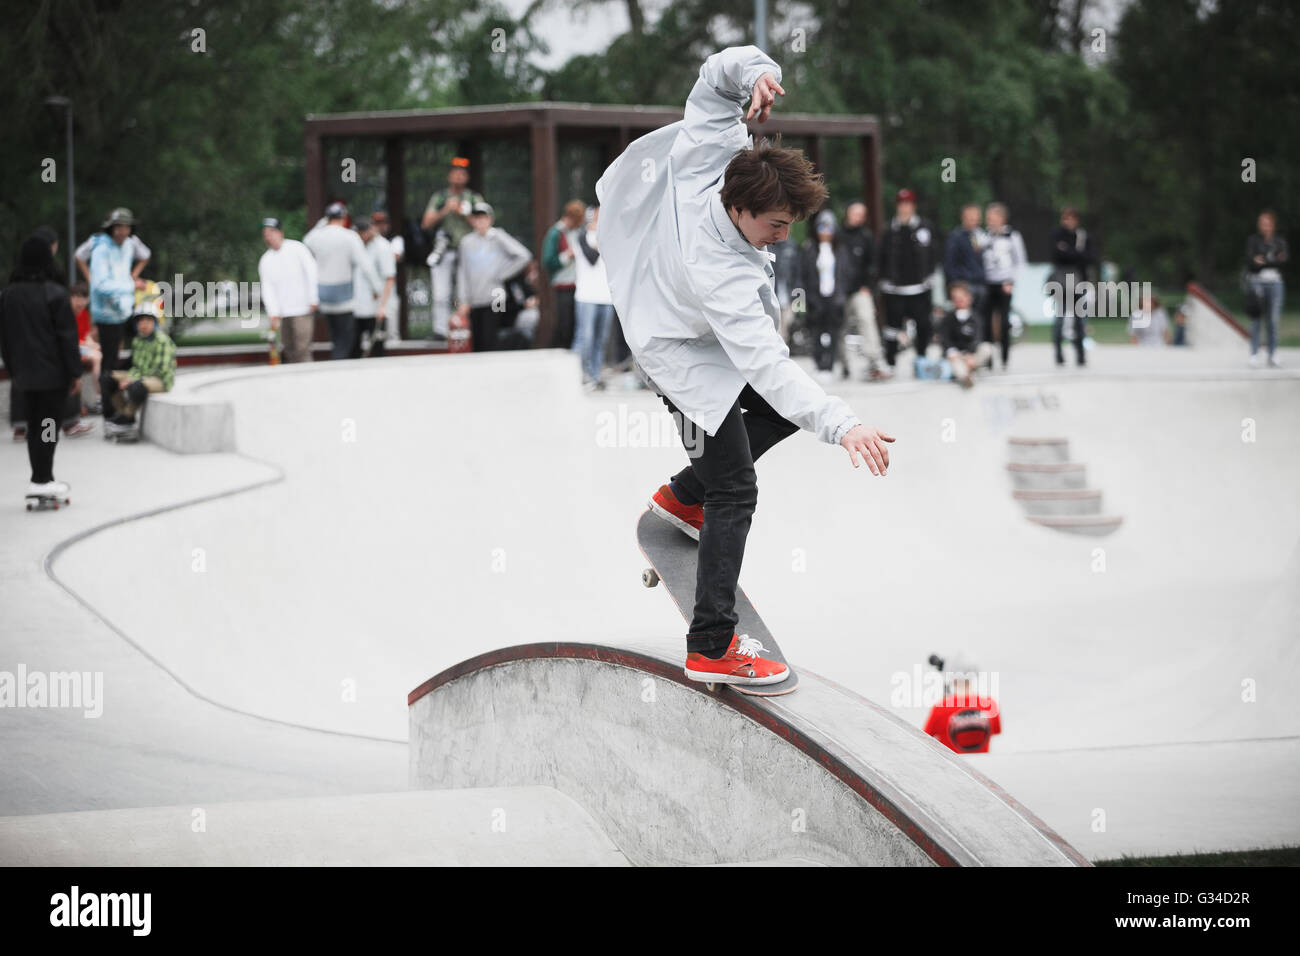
(91, 356)
(964, 720)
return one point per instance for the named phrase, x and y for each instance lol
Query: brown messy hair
(770, 177)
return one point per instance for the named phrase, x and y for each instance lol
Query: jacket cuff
(843, 429)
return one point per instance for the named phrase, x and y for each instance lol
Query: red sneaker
(740, 665)
(687, 518)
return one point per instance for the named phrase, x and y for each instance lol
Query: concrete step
(1048, 477)
(1080, 524)
(1031, 451)
(1069, 501)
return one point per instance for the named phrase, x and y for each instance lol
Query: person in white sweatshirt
(593, 303)
(287, 276)
(1004, 259)
(338, 251)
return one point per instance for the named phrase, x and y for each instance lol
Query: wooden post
(544, 212)
(871, 181)
(395, 206)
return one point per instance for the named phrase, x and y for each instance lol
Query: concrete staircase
(1054, 490)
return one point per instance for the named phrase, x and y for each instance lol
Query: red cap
(906, 195)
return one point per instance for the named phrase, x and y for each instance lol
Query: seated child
(961, 333)
(153, 366)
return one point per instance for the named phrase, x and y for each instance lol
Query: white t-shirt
(288, 279)
(590, 283)
(365, 301)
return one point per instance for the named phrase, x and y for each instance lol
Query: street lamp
(72, 194)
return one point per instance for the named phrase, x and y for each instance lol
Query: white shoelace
(749, 646)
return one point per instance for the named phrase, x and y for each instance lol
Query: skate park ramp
(678, 776)
(432, 510)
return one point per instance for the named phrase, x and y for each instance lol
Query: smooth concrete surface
(524, 826)
(431, 509)
(154, 741)
(677, 776)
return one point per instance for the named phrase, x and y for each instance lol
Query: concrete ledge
(1048, 477)
(675, 774)
(1031, 451)
(1080, 524)
(1070, 501)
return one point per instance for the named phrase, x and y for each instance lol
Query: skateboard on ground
(121, 433)
(672, 556)
(47, 502)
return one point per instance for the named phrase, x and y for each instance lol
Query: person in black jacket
(38, 343)
(827, 271)
(963, 254)
(962, 333)
(1072, 255)
(860, 343)
(904, 266)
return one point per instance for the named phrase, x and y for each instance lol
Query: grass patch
(1273, 856)
(251, 337)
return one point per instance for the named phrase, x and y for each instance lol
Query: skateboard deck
(47, 502)
(121, 433)
(672, 556)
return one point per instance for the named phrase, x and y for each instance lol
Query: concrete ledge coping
(676, 774)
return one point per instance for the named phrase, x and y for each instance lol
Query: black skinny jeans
(112, 338)
(722, 477)
(44, 422)
(998, 302)
(900, 308)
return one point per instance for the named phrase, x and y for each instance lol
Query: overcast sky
(570, 32)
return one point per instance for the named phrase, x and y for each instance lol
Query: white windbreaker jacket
(696, 300)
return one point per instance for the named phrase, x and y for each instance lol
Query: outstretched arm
(713, 128)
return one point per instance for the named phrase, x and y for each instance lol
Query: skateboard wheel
(711, 687)
(649, 577)
(29, 506)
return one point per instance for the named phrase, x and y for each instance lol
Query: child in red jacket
(964, 720)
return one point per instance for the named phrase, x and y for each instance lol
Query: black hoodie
(38, 332)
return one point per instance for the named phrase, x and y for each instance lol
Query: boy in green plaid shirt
(153, 367)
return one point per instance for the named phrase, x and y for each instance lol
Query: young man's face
(458, 178)
(905, 210)
(970, 218)
(855, 215)
(960, 298)
(481, 222)
(766, 227)
(272, 237)
(994, 218)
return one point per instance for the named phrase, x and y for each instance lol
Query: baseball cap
(481, 208)
(336, 210)
(361, 223)
(272, 223)
(906, 195)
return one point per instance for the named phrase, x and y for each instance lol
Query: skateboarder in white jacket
(686, 213)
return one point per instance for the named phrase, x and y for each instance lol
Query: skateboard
(672, 556)
(47, 502)
(121, 433)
